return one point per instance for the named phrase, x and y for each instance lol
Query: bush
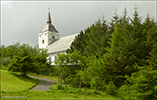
(123, 89)
(73, 80)
(3, 67)
(5, 61)
(111, 88)
(145, 83)
(101, 85)
(60, 87)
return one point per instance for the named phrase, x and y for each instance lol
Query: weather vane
(49, 9)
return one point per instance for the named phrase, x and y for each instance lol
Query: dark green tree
(22, 62)
(27, 59)
(144, 82)
(98, 39)
(79, 43)
(40, 61)
(112, 24)
(123, 52)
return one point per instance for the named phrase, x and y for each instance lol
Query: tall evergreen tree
(22, 62)
(98, 39)
(122, 53)
(144, 82)
(112, 24)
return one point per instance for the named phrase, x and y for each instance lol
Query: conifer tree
(122, 52)
(144, 82)
(79, 43)
(112, 24)
(98, 39)
(22, 62)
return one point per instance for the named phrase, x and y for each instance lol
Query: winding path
(43, 85)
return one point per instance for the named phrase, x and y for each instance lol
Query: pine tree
(79, 43)
(22, 62)
(96, 70)
(144, 82)
(122, 53)
(98, 39)
(112, 24)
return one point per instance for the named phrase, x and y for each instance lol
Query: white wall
(52, 55)
(41, 37)
(47, 37)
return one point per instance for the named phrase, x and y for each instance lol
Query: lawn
(11, 82)
(14, 85)
(60, 95)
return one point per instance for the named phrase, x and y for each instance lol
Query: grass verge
(11, 82)
(56, 93)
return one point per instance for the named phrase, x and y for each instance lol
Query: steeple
(49, 26)
(49, 17)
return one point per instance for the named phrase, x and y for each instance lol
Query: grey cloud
(22, 21)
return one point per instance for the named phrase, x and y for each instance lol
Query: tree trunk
(58, 78)
(54, 71)
(128, 90)
(80, 83)
(61, 78)
(24, 73)
(40, 69)
(65, 82)
(96, 85)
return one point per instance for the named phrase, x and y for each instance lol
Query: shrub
(111, 88)
(60, 87)
(5, 61)
(145, 83)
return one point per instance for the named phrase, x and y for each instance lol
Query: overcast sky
(22, 21)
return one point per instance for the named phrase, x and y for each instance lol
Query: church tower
(48, 34)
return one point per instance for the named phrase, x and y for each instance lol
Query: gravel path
(43, 85)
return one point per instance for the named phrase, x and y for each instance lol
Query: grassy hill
(11, 81)
(15, 85)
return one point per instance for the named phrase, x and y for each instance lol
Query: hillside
(11, 81)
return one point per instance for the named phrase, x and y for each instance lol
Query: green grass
(17, 86)
(3, 67)
(60, 95)
(11, 81)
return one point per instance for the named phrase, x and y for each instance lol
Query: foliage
(111, 88)
(98, 38)
(145, 83)
(40, 61)
(24, 58)
(145, 80)
(10, 50)
(5, 61)
(67, 66)
(79, 43)
(96, 70)
(109, 52)
(22, 62)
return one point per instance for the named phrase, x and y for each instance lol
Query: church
(49, 38)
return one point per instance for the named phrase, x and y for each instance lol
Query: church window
(43, 41)
(53, 37)
(55, 58)
(49, 59)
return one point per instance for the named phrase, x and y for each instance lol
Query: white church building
(49, 38)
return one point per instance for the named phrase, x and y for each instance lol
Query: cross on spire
(49, 17)
(49, 9)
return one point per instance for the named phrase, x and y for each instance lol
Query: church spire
(49, 17)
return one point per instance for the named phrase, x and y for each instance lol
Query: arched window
(43, 41)
(55, 58)
(53, 37)
(49, 59)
